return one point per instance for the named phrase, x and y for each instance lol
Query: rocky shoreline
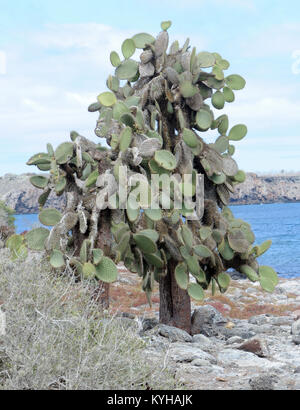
(17, 192)
(245, 339)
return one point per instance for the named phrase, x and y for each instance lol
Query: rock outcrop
(17, 192)
(267, 189)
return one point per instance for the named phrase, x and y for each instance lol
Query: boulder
(255, 345)
(206, 315)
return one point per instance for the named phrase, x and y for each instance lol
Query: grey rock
(234, 339)
(202, 340)
(174, 334)
(206, 315)
(239, 358)
(264, 382)
(295, 330)
(149, 323)
(18, 193)
(188, 353)
(235, 275)
(260, 319)
(200, 362)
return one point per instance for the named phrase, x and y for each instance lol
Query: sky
(54, 61)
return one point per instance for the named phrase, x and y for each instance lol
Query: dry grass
(56, 337)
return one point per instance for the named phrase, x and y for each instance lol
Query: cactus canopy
(154, 119)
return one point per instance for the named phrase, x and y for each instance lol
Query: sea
(278, 222)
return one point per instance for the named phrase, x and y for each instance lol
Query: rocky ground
(245, 339)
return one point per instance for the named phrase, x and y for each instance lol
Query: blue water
(279, 222)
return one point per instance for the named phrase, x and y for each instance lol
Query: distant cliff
(267, 189)
(17, 192)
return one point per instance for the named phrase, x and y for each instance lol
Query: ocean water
(279, 222)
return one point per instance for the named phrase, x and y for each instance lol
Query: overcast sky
(54, 61)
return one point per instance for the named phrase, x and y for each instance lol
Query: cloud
(280, 39)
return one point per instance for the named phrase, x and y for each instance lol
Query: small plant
(154, 119)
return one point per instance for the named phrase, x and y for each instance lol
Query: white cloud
(281, 39)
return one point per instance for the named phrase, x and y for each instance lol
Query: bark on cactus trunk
(104, 242)
(175, 303)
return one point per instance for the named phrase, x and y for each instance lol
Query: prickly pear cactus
(154, 118)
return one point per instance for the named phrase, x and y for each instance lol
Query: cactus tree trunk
(175, 303)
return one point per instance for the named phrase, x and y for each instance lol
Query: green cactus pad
(113, 83)
(50, 217)
(60, 185)
(133, 212)
(225, 250)
(154, 214)
(187, 89)
(128, 120)
(218, 72)
(125, 139)
(64, 152)
(218, 100)
(249, 272)
(115, 59)
(97, 255)
(237, 132)
(206, 59)
(231, 150)
(106, 270)
(128, 48)
(141, 40)
(127, 70)
(146, 244)
(218, 178)
(223, 124)
(43, 198)
(181, 276)
(193, 264)
(268, 273)
(261, 249)
(35, 238)
(165, 159)
(205, 232)
(203, 251)
(119, 109)
(154, 259)
(240, 176)
(165, 25)
(88, 270)
(14, 242)
(190, 138)
(204, 119)
(223, 280)
(57, 259)
(91, 180)
(40, 158)
(221, 144)
(107, 99)
(228, 94)
(39, 181)
(237, 240)
(235, 82)
(195, 291)
(187, 236)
